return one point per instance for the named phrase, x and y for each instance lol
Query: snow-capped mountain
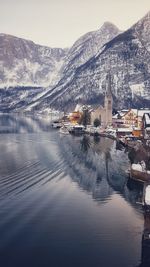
(88, 45)
(82, 50)
(25, 70)
(127, 56)
(24, 63)
(80, 72)
(51, 65)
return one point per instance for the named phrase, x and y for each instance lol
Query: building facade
(104, 114)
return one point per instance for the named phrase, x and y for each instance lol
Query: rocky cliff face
(81, 52)
(25, 71)
(23, 63)
(88, 46)
(127, 56)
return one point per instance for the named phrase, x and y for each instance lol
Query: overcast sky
(59, 23)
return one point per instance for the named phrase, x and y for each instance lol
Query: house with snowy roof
(130, 118)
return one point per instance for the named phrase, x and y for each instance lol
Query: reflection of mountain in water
(97, 166)
(11, 123)
(135, 191)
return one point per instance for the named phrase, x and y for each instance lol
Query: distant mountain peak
(108, 28)
(108, 24)
(147, 15)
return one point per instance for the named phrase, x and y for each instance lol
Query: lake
(66, 201)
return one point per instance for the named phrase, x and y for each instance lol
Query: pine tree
(86, 117)
(97, 122)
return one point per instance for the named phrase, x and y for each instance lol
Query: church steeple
(108, 85)
(108, 99)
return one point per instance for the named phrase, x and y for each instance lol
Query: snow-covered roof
(79, 126)
(78, 108)
(147, 118)
(124, 130)
(115, 116)
(138, 112)
(123, 112)
(135, 111)
(147, 195)
(137, 167)
(141, 112)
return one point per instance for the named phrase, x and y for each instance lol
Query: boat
(111, 133)
(64, 130)
(56, 124)
(77, 129)
(139, 172)
(92, 130)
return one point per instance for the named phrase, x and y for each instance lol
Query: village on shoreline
(129, 127)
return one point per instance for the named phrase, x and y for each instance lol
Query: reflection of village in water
(98, 165)
(145, 253)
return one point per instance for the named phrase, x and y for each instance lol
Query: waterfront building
(132, 118)
(75, 116)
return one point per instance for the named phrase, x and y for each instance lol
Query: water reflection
(136, 191)
(119, 146)
(145, 244)
(96, 139)
(66, 196)
(139, 154)
(14, 123)
(98, 167)
(85, 166)
(101, 169)
(85, 143)
(93, 162)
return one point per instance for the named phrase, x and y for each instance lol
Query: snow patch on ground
(137, 89)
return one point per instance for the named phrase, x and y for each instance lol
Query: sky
(59, 23)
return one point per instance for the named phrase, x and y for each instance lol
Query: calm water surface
(66, 201)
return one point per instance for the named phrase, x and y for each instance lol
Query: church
(104, 114)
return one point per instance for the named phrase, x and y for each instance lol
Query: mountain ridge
(19, 56)
(128, 56)
(82, 74)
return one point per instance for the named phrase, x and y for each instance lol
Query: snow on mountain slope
(83, 49)
(79, 74)
(24, 63)
(88, 45)
(127, 56)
